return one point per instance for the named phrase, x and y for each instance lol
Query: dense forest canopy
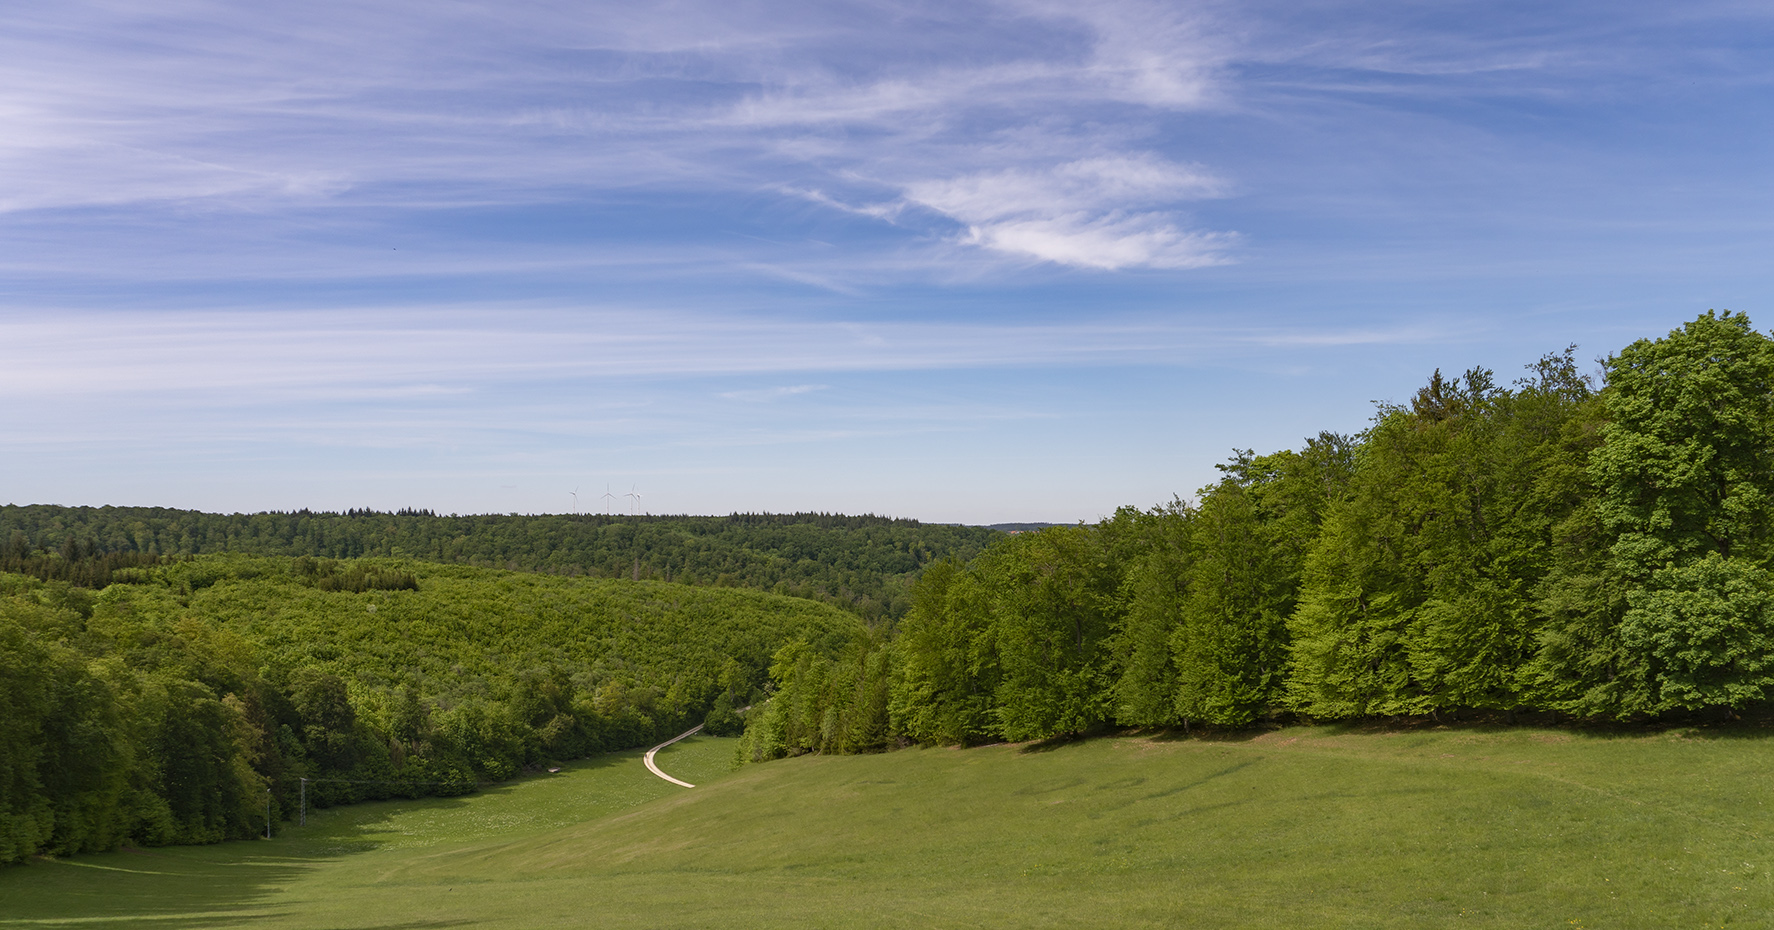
(861, 563)
(1598, 548)
(173, 704)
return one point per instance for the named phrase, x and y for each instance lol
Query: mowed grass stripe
(1307, 827)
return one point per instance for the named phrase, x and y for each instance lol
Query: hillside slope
(1299, 828)
(464, 629)
(191, 701)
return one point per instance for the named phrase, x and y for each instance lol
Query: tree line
(76, 562)
(189, 699)
(1598, 548)
(863, 564)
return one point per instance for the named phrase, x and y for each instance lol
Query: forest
(188, 700)
(1595, 547)
(863, 564)
(1599, 547)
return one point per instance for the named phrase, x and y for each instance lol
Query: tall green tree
(1054, 604)
(26, 668)
(1421, 594)
(1251, 534)
(1685, 491)
(1155, 586)
(822, 704)
(946, 670)
(1686, 466)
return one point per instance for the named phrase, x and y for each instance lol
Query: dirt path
(655, 769)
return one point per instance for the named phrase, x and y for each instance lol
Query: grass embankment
(1321, 827)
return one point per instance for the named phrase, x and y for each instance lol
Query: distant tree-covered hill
(177, 703)
(864, 564)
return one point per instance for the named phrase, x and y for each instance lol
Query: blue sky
(961, 262)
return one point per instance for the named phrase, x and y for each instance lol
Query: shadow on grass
(219, 886)
(230, 884)
(414, 925)
(1752, 723)
(1755, 723)
(1063, 740)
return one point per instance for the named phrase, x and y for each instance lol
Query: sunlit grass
(1300, 828)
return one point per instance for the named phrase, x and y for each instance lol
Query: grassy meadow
(1300, 827)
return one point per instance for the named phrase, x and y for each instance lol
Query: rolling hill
(1302, 827)
(190, 700)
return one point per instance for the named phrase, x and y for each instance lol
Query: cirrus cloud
(1090, 213)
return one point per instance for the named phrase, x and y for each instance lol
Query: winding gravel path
(655, 769)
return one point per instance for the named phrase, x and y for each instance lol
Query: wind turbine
(575, 493)
(608, 497)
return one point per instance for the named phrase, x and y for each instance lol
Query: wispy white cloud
(115, 102)
(1086, 213)
(774, 393)
(1045, 131)
(197, 103)
(852, 194)
(223, 358)
(1109, 242)
(1073, 186)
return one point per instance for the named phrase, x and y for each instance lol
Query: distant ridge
(862, 563)
(1020, 527)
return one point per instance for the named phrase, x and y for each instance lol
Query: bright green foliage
(1019, 644)
(1052, 597)
(106, 739)
(1421, 592)
(1543, 545)
(1155, 588)
(1251, 535)
(723, 718)
(1706, 629)
(26, 671)
(737, 683)
(946, 668)
(1687, 488)
(161, 711)
(822, 704)
(1687, 465)
(1655, 602)
(864, 564)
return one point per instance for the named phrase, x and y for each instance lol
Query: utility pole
(304, 802)
(267, 813)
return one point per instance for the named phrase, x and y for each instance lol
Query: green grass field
(1298, 828)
